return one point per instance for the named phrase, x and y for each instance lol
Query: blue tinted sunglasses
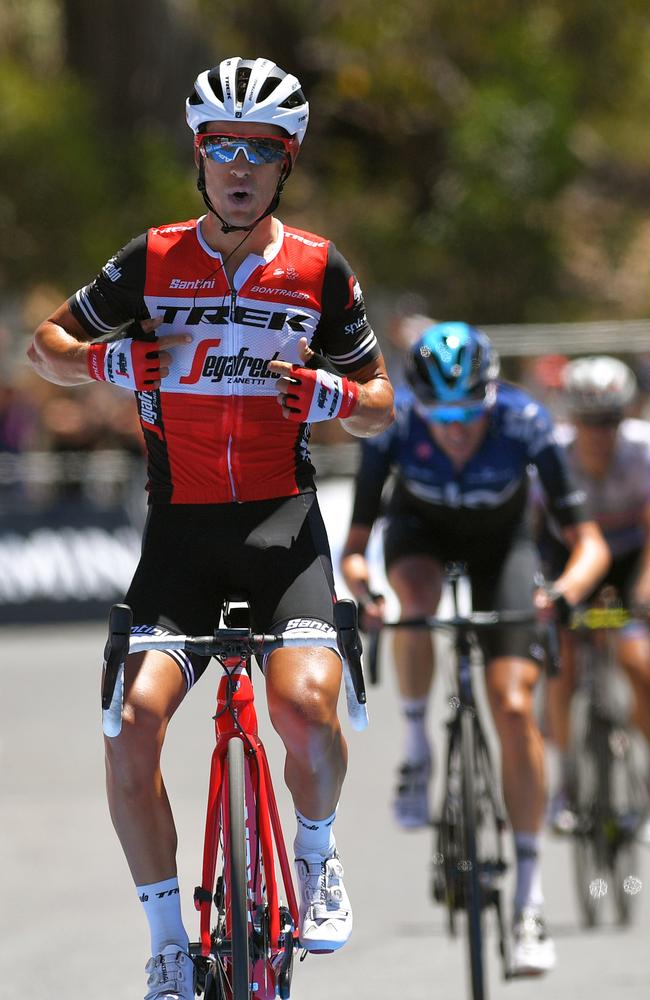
(257, 149)
(453, 414)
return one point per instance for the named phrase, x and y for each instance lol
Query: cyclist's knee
(133, 757)
(511, 685)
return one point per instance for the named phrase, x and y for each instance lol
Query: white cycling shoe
(411, 800)
(171, 975)
(533, 951)
(324, 907)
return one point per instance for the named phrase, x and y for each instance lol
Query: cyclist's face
(240, 191)
(458, 440)
(595, 443)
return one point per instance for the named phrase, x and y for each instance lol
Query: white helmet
(597, 385)
(249, 90)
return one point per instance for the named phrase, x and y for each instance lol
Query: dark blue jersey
(489, 492)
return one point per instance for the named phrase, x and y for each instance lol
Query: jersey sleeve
(565, 501)
(374, 468)
(344, 334)
(116, 296)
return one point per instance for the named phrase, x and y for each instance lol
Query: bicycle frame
(236, 718)
(248, 955)
(464, 874)
(604, 784)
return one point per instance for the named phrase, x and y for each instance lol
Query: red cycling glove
(131, 364)
(317, 394)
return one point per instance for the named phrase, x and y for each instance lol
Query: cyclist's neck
(239, 244)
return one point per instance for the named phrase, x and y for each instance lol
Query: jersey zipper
(231, 477)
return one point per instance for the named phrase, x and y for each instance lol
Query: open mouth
(240, 197)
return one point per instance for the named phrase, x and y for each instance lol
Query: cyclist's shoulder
(511, 396)
(303, 240)
(516, 409)
(171, 233)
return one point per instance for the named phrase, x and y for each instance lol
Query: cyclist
(609, 456)
(460, 449)
(225, 313)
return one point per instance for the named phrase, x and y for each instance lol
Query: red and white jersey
(214, 431)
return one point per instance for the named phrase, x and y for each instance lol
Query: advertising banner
(69, 562)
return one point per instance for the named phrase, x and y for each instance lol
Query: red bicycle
(246, 952)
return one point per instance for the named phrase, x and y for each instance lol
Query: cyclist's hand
(372, 613)
(309, 395)
(551, 606)
(135, 364)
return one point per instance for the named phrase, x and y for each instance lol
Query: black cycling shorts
(272, 553)
(501, 570)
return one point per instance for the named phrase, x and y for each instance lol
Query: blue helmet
(452, 364)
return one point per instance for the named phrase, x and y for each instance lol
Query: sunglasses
(442, 414)
(479, 402)
(610, 423)
(258, 149)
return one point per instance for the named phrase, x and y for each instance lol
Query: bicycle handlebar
(475, 621)
(223, 644)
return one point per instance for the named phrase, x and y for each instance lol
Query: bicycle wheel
(628, 789)
(236, 891)
(446, 885)
(245, 967)
(589, 781)
(469, 863)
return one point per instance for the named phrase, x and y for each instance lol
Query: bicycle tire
(587, 766)
(470, 861)
(237, 889)
(630, 808)
(446, 886)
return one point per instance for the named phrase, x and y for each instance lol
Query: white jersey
(616, 502)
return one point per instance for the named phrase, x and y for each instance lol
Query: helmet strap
(225, 226)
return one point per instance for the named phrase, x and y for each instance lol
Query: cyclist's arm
(354, 565)
(589, 559)
(374, 410)
(589, 555)
(344, 335)
(59, 349)
(374, 468)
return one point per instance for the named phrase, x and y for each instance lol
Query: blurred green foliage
(490, 155)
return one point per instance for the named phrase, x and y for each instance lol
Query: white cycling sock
(528, 893)
(314, 836)
(416, 743)
(162, 907)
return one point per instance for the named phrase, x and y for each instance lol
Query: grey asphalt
(72, 928)
(70, 923)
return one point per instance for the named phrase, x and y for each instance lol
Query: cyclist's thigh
(417, 582)
(179, 583)
(285, 567)
(154, 687)
(503, 580)
(286, 574)
(413, 557)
